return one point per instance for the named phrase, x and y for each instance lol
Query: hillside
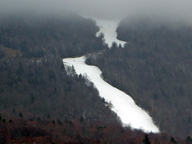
(154, 68)
(75, 132)
(119, 102)
(33, 81)
(44, 101)
(37, 35)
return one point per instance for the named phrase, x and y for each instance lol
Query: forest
(154, 68)
(37, 35)
(34, 83)
(43, 101)
(76, 132)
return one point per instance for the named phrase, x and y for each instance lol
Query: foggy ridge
(164, 10)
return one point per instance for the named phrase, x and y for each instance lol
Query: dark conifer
(146, 140)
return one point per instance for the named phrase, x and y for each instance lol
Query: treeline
(65, 36)
(75, 132)
(155, 69)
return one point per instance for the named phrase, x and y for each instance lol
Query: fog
(105, 9)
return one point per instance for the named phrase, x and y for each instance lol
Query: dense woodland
(43, 101)
(155, 69)
(75, 132)
(34, 83)
(37, 35)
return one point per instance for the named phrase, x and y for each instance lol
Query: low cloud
(106, 9)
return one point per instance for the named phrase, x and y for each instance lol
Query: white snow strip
(108, 28)
(123, 104)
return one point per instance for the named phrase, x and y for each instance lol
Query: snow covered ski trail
(108, 28)
(123, 104)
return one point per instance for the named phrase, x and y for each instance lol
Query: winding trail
(125, 107)
(108, 28)
(123, 104)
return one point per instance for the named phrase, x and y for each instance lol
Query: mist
(164, 10)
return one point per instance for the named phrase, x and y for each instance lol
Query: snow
(125, 107)
(108, 28)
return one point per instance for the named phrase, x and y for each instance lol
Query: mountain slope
(33, 81)
(154, 68)
(122, 104)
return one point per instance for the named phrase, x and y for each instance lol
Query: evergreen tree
(146, 140)
(188, 140)
(172, 140)
(20, 115)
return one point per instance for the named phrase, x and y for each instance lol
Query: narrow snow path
(123, 104)
(108, 28)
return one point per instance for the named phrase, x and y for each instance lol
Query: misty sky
(110, 9)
